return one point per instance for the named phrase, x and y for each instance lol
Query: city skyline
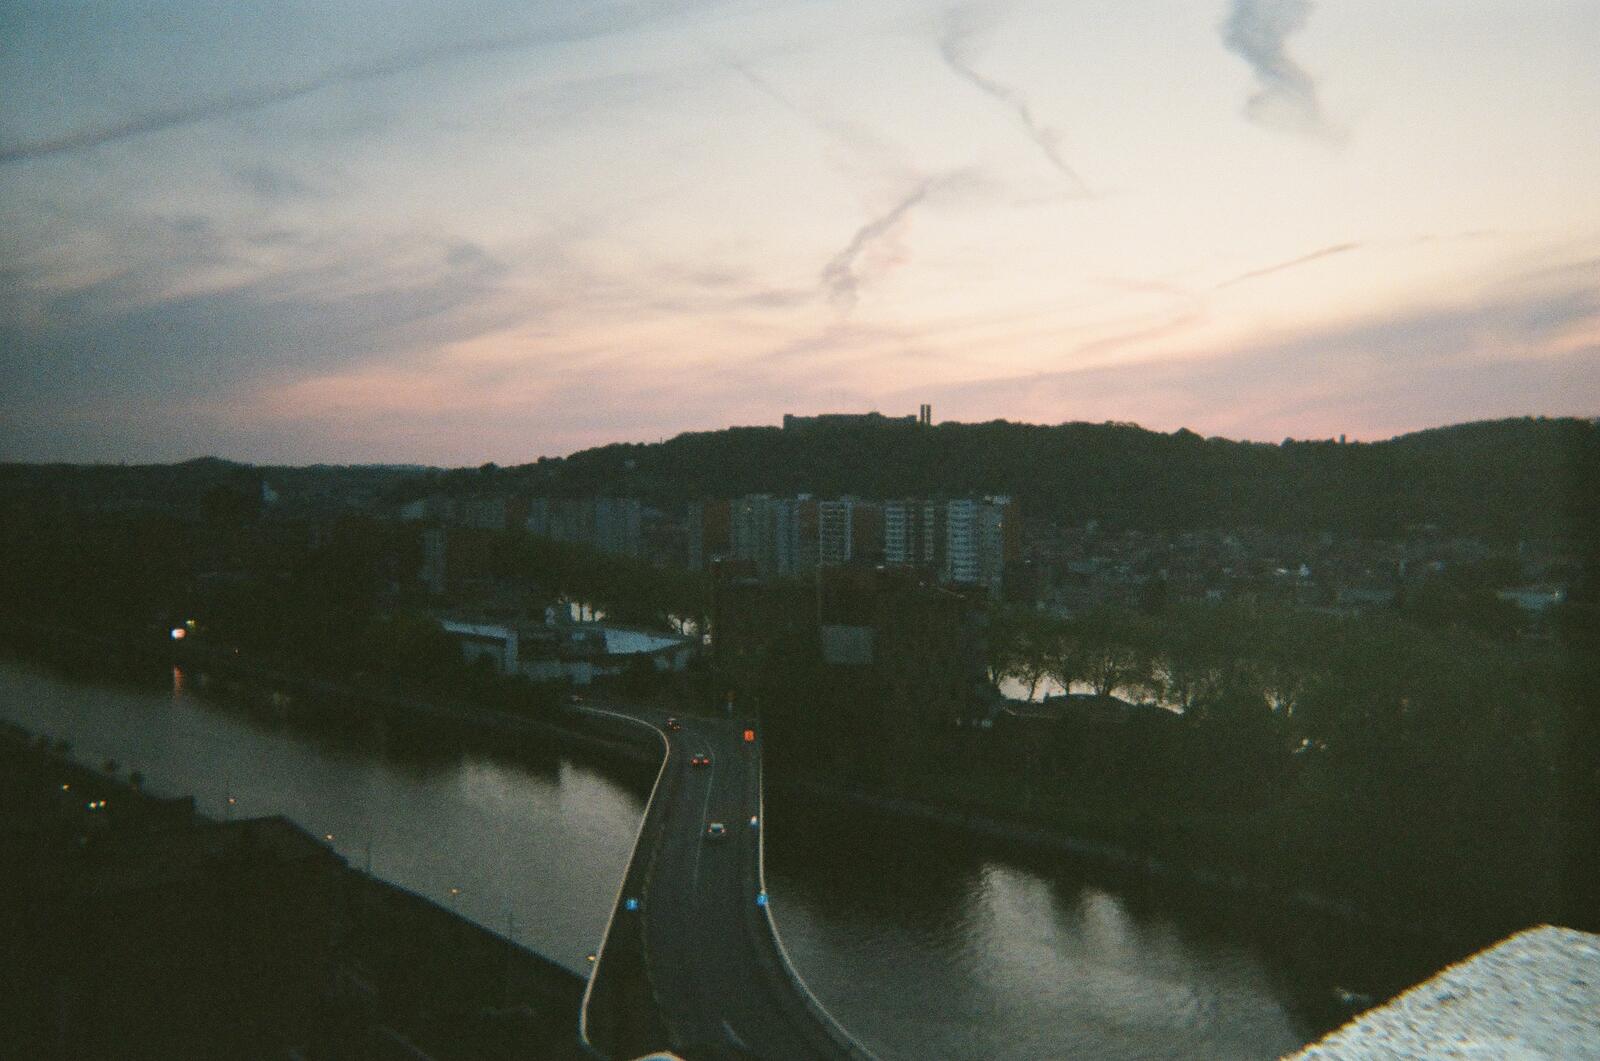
(452, 234)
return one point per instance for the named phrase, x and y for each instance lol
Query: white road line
(733, 1037)
(705, 809)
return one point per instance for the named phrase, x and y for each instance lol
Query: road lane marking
(705, 810)
(733, 1037)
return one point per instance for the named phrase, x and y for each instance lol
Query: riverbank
(876, 914)
(142, 929)
(288, 696)
(1021, 837)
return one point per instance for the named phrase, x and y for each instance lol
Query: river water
(922, 947)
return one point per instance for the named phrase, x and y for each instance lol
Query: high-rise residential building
(790, 555)
(992, 520)
(835, 531)
(484, 513)
(753, 526)
(910, 532)
(435, 544)
(866, 532)
(709, 526)
(538, 521)
(694, 533)
(979, 537)
(616, 525)
(610, 524)
(960, 542)
(572, 521)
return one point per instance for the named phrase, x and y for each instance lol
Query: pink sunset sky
(458, 232)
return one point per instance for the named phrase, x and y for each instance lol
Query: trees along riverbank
(335, 599)
(1405, 772)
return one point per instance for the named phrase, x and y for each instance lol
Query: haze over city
(474, 231)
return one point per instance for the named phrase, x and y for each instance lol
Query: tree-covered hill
(1501, 479)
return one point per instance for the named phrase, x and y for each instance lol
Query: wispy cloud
(271, 183)
(843, 275)
(963, 25)
(1286, 97)
(759, 83)
(861, 151)
(1277, 267)
(244, 101)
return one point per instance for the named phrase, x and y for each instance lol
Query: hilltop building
(824, 421)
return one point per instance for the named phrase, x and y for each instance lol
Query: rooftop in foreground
(1534, 995)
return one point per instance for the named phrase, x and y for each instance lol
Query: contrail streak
(1325, 252)
(839, 277)
(761, 84)
(953, 47)
(248, 100)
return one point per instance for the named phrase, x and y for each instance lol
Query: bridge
(691, 960)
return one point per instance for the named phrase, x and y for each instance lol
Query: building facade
(835, 532)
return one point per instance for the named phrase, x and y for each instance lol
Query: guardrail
(835, 1031)
(629, 877)
(635, 881)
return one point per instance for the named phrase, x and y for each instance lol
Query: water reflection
(923, 944)
(541, 838)
(930, 946)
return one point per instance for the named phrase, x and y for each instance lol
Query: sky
(455, 231)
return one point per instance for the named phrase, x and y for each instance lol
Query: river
(920, 948)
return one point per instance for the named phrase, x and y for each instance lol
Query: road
(712, 959)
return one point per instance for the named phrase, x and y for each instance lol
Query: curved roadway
(712, 960)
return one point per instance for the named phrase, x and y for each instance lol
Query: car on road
(674, 725)
(716, 831)
(703, 759)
